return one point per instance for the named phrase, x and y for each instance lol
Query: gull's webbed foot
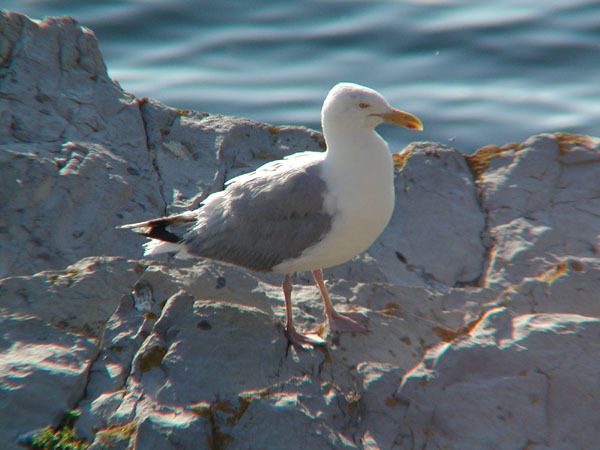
(351, 322)
(303, 341)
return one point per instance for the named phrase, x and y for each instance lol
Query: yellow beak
(402, 118)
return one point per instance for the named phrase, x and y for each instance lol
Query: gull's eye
(363, 105)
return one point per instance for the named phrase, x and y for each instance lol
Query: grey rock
(43, 373)
(507, 386)
(434, 234)
(542, 201)
(73, 300)
(72, 149)
(481, 294)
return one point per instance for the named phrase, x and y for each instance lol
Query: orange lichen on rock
(401, 156)
(553, 272)
(406, 340)
(448, 334)
(444, 333)
(391, 309)
(479, 161)
(576, 265)
(274, 129)
(566, 141)
(391, 401)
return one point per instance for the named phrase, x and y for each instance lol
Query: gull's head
(351, 106)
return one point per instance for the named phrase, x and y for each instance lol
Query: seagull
(305, 212)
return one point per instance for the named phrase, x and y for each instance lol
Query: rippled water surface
(476, 72)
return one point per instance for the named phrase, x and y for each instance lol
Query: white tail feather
(155, 247)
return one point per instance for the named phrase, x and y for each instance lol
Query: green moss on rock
(152, 358)
(63, 437)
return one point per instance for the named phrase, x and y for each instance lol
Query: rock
(73, 148)
(481, 294)
(506, 385)
(43, 373)
(542, 201)
(427, 240)
(73, 300)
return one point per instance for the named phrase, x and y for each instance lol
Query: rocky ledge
(482, 294)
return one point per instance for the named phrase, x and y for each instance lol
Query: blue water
(476, 72)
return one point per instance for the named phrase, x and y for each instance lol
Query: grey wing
(264, 220)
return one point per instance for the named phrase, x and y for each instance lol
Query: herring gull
(308, 211)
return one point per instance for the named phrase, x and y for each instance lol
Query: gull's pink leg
(296, 338)
(337, 321)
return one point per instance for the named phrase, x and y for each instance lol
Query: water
(475, 72)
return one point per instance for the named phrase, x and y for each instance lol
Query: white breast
(360, 198)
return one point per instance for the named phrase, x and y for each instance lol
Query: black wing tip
(161, 233)
(157, 228)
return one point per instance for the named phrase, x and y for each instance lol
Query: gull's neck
(355, 148)
(359, 173)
